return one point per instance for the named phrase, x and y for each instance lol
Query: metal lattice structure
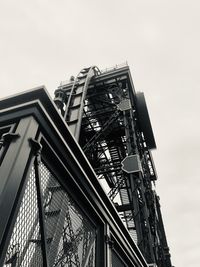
(69, 238)
(54, 212)
(111, 123)
(77, 176)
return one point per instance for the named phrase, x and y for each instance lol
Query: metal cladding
(144, 120)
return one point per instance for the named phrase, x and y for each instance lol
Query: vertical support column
(109, 245)
(37, 148)
(141, 216)
(166, 256)
(108, 252)
(13, 169)
(131, 147)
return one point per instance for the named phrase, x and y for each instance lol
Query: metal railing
(115, 67)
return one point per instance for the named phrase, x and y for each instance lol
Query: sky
(43, 42)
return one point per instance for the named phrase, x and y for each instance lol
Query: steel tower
(110, 121)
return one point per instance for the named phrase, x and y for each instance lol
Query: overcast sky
(46, 41)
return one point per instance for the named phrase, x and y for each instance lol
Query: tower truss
(110, 121)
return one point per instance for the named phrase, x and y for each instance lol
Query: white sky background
(44, 42)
